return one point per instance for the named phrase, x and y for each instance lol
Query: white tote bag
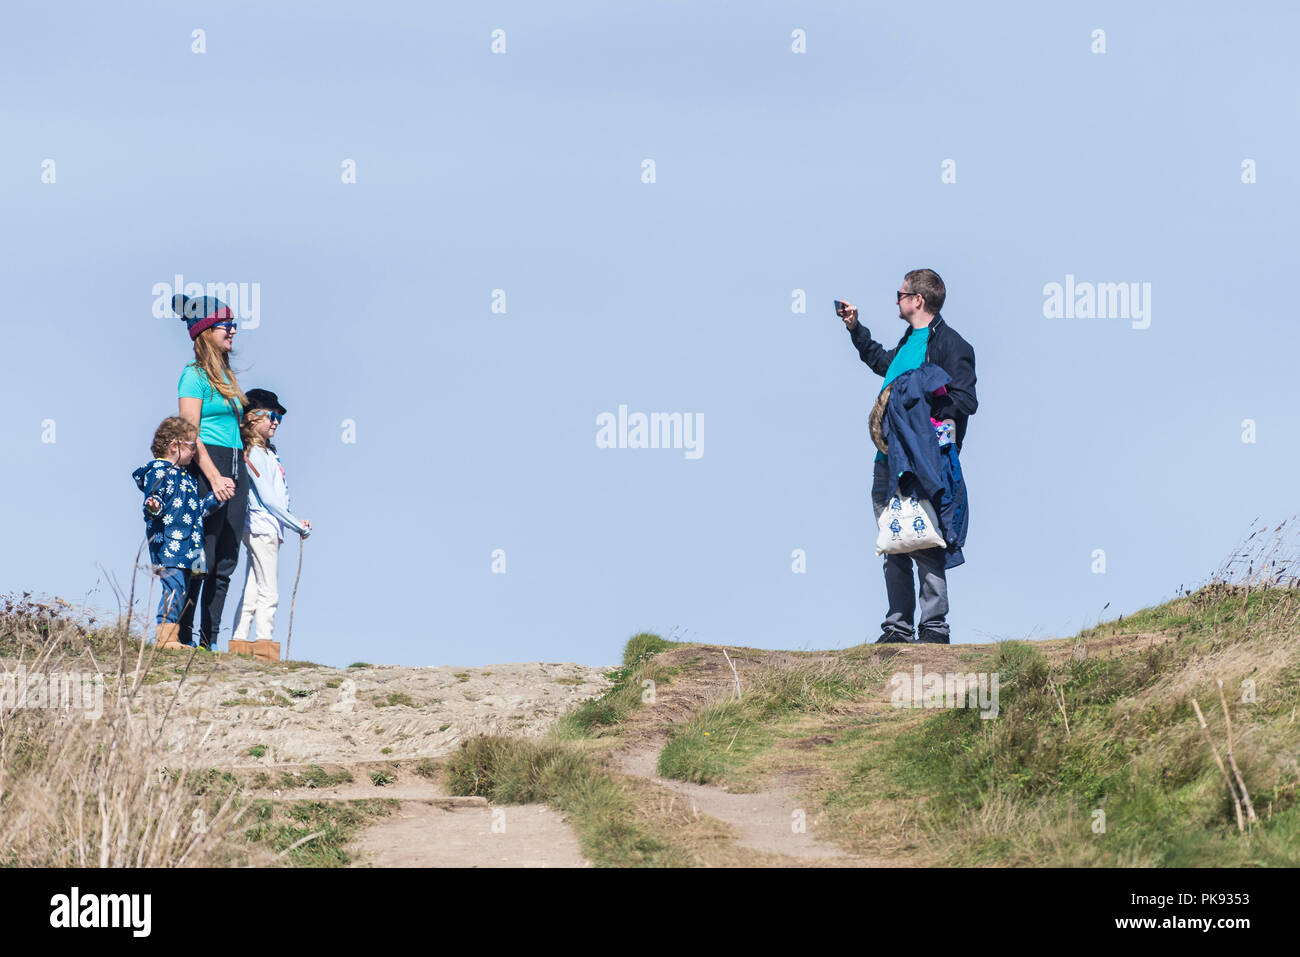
(907, 524)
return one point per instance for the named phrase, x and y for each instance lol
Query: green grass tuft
(280, 825)
(626, 695)
(724, 736)
(524, 770)
(314, 777)
(643, 645)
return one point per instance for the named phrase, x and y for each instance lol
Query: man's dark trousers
(898, 577)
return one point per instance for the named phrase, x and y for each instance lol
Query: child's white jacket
(268, 499)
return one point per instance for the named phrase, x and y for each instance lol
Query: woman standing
(210, 397)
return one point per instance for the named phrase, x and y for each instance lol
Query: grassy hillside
(1095, 757)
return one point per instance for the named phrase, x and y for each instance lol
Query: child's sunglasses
(275, 416)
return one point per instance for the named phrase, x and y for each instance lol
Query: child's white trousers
(261, 588)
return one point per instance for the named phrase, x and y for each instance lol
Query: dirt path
(772, 821)
(441, 831)
(434, 829)
(430, 834)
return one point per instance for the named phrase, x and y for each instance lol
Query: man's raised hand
(849, 313)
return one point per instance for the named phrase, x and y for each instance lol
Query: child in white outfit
(268, 515)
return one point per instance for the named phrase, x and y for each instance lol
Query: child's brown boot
(167, 636)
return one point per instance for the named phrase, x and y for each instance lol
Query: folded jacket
(913, 448)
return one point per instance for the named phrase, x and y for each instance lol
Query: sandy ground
(319, 715)
(437, 834)
(365, 718)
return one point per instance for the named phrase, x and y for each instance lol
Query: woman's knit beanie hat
(200, 312)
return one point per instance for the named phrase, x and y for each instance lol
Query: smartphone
(839, 307)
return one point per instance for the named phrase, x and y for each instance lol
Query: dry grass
(1266, 558)
(112, 791)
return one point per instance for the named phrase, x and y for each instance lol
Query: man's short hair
(930, 286)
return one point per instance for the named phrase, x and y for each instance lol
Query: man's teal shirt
(909, 356)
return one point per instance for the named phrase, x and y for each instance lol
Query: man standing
(928, 339)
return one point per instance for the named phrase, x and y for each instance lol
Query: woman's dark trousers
(222, 531)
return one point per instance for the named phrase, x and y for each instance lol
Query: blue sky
(774, 172)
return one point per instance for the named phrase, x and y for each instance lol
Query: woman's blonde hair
(215, 363)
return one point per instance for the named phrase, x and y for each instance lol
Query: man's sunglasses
(898, 296)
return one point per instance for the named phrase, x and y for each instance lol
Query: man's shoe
(933, 638)
(893, 638)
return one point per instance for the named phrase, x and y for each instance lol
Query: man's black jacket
(945, 349)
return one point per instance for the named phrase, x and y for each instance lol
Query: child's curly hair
(172, 429)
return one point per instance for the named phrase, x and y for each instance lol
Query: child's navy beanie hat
(200, 312)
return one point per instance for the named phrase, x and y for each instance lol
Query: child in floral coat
(173, 515)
